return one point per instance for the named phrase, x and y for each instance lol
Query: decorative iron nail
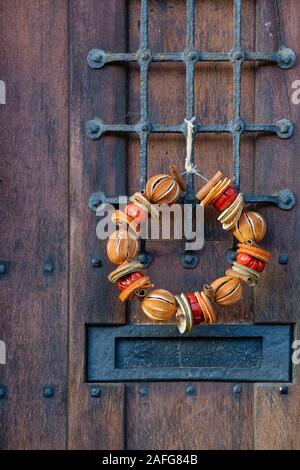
(145, 258)
(3, 391)
(188, 260)
(190, 390)
(48, 391)
(285, 129)
(237, 389)
(283, 390)
(143, 391)
(192, 56)
(230, 256)
(283, 259)
(94, 127)
(286, 58)
(237, 54)
(96, 263)
(96, 58)
(286, 199)
(3, 268)
(97, 202)
(48, 267)
(95, 392)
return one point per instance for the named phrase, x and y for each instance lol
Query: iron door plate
(252, 353)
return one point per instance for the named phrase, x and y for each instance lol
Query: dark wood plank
(34, 214)
(277, 167)
(277, 418)
(163, 416)
(96, 423)
(161, 420)
(93, 422)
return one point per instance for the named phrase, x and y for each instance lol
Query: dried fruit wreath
(195, 307)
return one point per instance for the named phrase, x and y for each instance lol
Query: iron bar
(98, 58)
(96, 128)
(238, 58)
(144, 62)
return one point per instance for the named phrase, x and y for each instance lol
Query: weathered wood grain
(93, 422)
(34, 220)
(44, 214)
(276, 418)
(163, 416)
(277, 167)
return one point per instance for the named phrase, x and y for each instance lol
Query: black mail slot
(254, 353)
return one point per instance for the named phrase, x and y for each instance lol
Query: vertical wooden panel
(93, 166)
(166, 419)
(277, 167)
(163, 416)
(34, 220)
(277, 418)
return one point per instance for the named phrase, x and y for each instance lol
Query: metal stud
(48, 266)
(189, 260)
(96, 263)
(143, 391)
(285, 129)
(3, 268)
(286, 58)
(237, 389)
(95, 392)
(190, 390)
(283, 389)
(3, 391)
(145, 257)
(230, 255)
(48, 391)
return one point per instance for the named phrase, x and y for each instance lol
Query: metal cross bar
(284, 58)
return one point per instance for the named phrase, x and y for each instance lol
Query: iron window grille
(285, 58)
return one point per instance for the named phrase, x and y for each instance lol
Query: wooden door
(54, 269)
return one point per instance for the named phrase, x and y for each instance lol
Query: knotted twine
(190, 166)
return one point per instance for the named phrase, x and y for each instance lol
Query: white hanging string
(190, 166)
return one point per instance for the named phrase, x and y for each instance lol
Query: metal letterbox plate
(254, 353)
